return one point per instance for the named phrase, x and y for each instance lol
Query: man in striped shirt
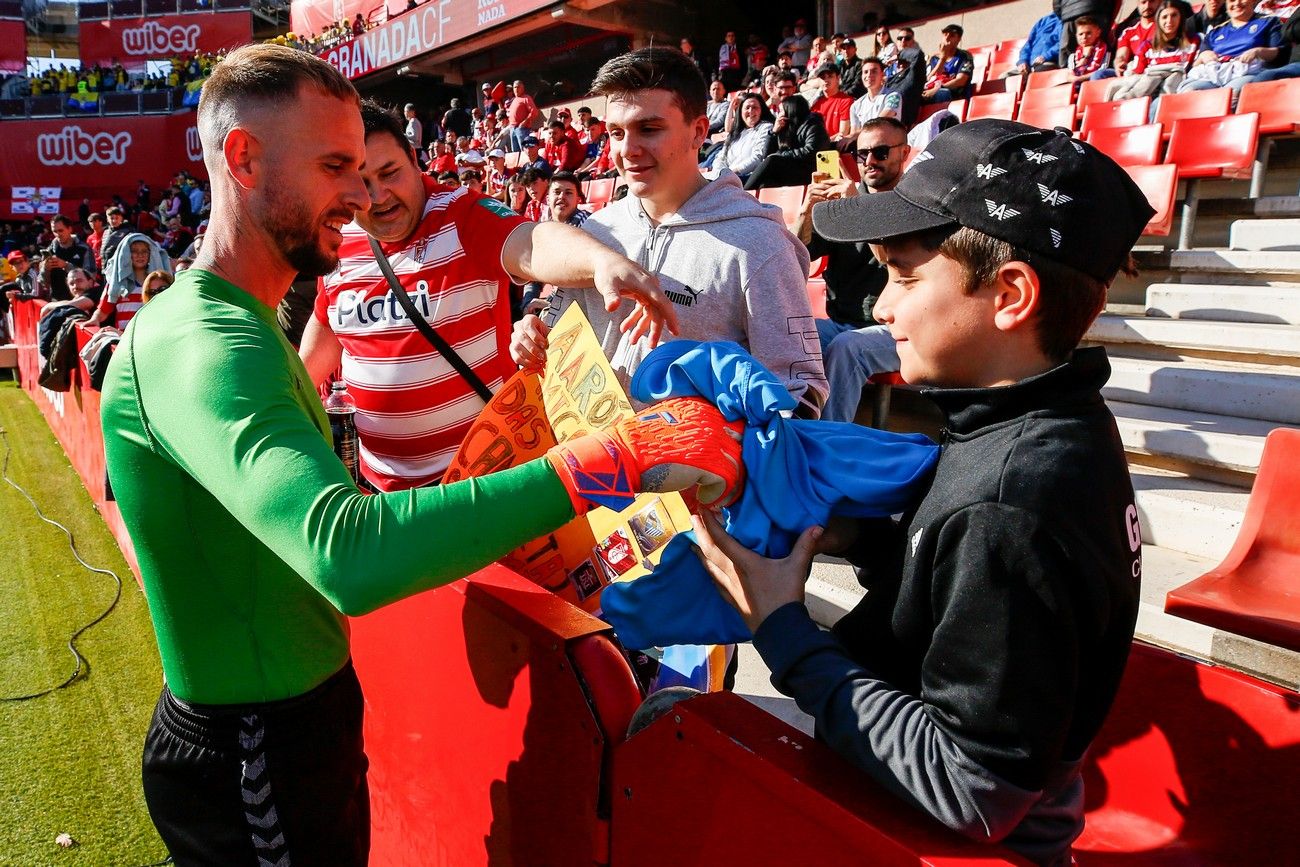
(456, 255)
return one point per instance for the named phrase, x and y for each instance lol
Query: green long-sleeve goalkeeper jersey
(251, 539)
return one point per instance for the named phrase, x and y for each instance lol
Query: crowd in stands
(72, 80)
(98, 260)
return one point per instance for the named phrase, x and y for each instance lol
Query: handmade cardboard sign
(578, 393)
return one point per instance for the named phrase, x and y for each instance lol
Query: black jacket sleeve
(980, 743)
(809, 138)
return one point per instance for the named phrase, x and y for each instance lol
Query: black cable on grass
(82, 664)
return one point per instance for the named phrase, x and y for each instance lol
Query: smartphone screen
(828, 163)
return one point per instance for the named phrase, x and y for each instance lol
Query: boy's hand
(755, 585)
(528, 343)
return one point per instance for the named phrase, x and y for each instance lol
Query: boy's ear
(1018, 293)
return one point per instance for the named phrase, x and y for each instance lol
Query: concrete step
(1230, 337)
(829, 598)
(1265, 235)
(1264, 206)
(1249, 391)
(1236, 261)
(1279, 305)
(1189, 515)
(1192, 437)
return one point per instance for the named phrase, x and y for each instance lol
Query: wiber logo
(73, 146)
(193, 145)
(153, 38)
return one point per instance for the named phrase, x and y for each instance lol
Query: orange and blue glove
(683, 444)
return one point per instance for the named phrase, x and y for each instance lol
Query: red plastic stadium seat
(849, 167)
(1255, 591)
(1000, 105)
(995, 83)
(1093, 91)
(788, 199)
(1126, 112)
(1047, 97)
(1052, 78)
(1007, 53)
(1210, 147)
(1214, 147)
(1276, 102)
(1129, 145)
(817, 297)
(1012, 44)
(599, 193)
(1193, 103)
(1048, 118)
(1160, 184)
(957, 107)
(979, 51)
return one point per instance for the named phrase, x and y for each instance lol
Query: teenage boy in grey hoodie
(728, 262)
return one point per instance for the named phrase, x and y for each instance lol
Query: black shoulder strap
(425, 328)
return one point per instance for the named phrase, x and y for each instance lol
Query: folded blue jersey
(799, 473)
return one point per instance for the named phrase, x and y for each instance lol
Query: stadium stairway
(1205, 351)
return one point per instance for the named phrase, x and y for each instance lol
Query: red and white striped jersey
(119, 313)
(413, 408)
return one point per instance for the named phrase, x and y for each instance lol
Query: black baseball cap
(1042, 191)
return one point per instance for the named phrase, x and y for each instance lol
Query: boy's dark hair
(873, 59)
(379, 118)
(1086, 20)
(448, 178)
(570, 178)
(114, 209)
(788, 76)
(655, 68)
(954, 28)
(556, 124)
(1068, 303)
(60, 218)
(886, 123)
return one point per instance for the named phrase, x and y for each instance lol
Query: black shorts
(278, 783)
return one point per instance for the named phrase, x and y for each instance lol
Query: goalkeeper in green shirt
(252, 541)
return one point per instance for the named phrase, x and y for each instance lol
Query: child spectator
(1092, 55)
(986, 654)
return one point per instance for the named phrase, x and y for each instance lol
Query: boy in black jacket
(999, 612)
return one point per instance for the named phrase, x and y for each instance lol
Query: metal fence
(98, 10)
(110, 104)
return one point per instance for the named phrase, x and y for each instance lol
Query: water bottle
(342, 412)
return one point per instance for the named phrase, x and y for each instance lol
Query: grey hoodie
(733, 271)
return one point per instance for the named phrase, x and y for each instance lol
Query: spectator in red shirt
(536, 183)
(95, 240)
(520, 112)
(443, 160)
(563, 154)
(833, 105)
(1129, 45)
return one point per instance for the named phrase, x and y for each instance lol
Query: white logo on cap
(1056, 237)
(988, 171)
(1053, 197)
(1036, 157)
(1078, 148)
(925, 155)
(916, 540)
(1002, 212)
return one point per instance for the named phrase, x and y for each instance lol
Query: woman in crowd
(797, 135)
(1161, 62)
(885, 48)
(125, 275)
(1236, 51)
(748, 141)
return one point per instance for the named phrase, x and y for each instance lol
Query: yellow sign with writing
(578, 393)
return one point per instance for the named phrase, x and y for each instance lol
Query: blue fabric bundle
(799, 473)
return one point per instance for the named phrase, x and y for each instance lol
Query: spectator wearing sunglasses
(854, 347)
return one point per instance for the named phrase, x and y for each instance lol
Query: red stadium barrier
(496, 716)
(89, 157)
(73, 416)
(134, 41)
